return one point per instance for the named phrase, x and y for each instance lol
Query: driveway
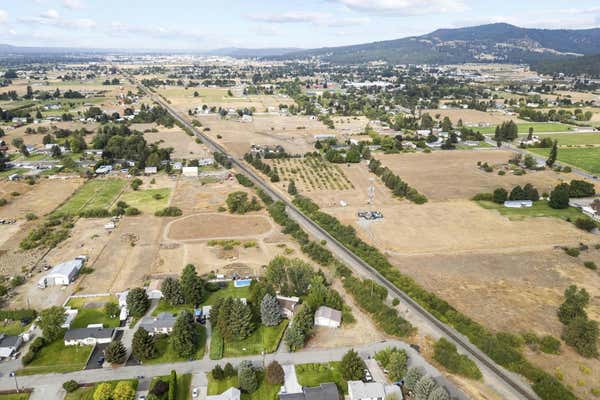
(290, 383)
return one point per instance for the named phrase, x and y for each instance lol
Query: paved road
(50, 384)
(507, 384)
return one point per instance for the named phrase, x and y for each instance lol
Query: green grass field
(96, 193)
(89, 316)
(80, 302)
(574, 139)
(264, 338)
(13, 328)
(58, 358)
(184, 381)
(147, 201)
(313, 374)
(264, 391)
(163, 306)
(587, 158)
(539, 209)
(229, 291)
(15, 396)
(168, 355)
(538, 127)
(87, 393)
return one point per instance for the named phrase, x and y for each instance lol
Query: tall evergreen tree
(270, 312)
(247, 377)
(142, 345)
(184, 337)
(137, 302)
(115, 352)
(292, 188)
(171, 290)
(192, 286)
(352, 366)
(553, 154)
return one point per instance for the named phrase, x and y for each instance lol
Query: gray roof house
(9, 345)
(162, 323)
(88, 336)
(326, 391)
(359, 390)
(327, 316)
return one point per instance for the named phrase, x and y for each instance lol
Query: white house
(204, 162)
(327, 316)
(189, 171)
(150, 170)
(9, 345)
(62, 274)
(88, 336)
(229, 394)
(162, 323)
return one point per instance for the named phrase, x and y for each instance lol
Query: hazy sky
(201, 24)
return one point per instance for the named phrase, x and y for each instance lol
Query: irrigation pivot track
(518, 386)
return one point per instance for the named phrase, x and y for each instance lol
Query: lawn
(56, 357)
(87, 393)
(80, 302)
(574, 139)
(539, 209)
(587, 158)
(149, 200)
(96, 193)
(8, 172)
(229, 291)
(314, 374)
(168, 355)
(264, 338)
(13, 328)
(538, 127)
(264, 391)
(183, 385)
(87, 316)
(15, 396)
(164, 306)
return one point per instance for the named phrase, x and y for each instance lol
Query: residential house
(150, 170)
(205, 162)
(327, 316)
(288, 305)
(325, 391)
(162, 323)
(62, 274)
(229, 394)
(518, 203)
(9, 345)
(88, 336)
(359, 390)
(103, 169)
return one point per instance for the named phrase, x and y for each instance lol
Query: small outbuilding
(327, 316)
(288, 305)
(518, 203)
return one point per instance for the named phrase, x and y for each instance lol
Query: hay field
(184, 146)
(472, 116)
(447, 175)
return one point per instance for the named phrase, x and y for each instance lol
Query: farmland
(312, 174)
(585, 158)
(97, 193)
(574, 139)
(538, 127)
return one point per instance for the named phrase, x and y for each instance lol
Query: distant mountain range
(486, 43)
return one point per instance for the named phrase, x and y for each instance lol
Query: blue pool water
(242, 282)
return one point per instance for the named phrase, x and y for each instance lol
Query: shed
(62, 274)
(150, 170)
(327, 316)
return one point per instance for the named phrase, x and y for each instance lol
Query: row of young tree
(257, 163)
(395, 183)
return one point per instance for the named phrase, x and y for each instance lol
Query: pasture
(96, 193)
(587, 158)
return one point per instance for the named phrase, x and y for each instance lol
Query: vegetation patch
(313, 374)
(95, 194)
(149, 200)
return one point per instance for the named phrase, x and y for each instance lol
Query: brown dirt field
(211, 226)
(472, 116)
(265, 130)
(447, 175)
(193, 197)
(40, 199)
(184, 146)
(578, 96)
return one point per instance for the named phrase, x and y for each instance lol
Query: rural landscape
(416, 218)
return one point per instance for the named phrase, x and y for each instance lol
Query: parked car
(195, 393)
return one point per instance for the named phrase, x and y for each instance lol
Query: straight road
(507, 384)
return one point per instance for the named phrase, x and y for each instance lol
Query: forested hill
(492, 42)
(587, 65)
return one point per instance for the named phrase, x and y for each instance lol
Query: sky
(203, 25)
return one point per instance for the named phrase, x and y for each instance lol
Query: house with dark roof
(325, 391)
(162, 323)
(9, 345)
(288, 305)
(88, 336)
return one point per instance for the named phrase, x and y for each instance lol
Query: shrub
(274, 373)
(28, 358)
(160, 388)
(500, 195)
(169, 212)
(238, 203)
(131, 211)
(501, 172)
(136, 183)
(590, 265)
(483, 197)
(243, 180)
(217, 373)
(395, 302)
(247, 377)
(446, 354)
(229, 371)
(70, 386)
(94, 213)
(3, 202)
(550, 345)
(585, 224)
(30, 216)
(572, 251)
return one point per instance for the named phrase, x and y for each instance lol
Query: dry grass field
(447, 175)
(473, 116)
(184, 146)
(217, 226)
